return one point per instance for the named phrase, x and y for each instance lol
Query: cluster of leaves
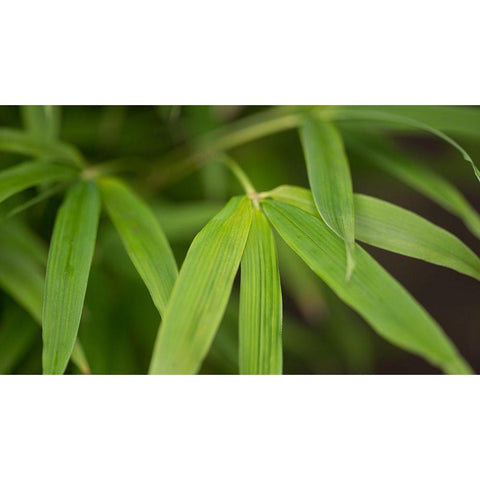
(321, 225)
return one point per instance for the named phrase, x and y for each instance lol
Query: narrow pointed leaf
(201, 292)
(68, 267)
(388, 117)
(393, 228)
(22, 277)
(418, 176)
(384, 225)
(371, 291)
(260, 303)
(26, 175)
(42, 121)
(16, 141)
(330, 181)
(143, 239)
(455, 120)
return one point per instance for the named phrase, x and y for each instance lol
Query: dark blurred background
(321, 335)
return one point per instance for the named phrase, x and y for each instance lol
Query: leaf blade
(371, 291)
(330, 180)
(417, 176)
(260, 313)
(42, 121)
(201, 291)
(390, 227)
(19, 142)
(143, 238)
(20, 177)
(68, 267)
(22, 277)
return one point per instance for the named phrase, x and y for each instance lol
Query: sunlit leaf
(25, 175)
(384, 225)
(68, 266)
(201, 292)
(260, 303)
(371, 291)
(330, 181)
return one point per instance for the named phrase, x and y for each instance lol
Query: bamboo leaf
(393, 228)
(183, 221)
(68, 266)
(143, 239)
(416, 175)
(26, 175)
(22, 277)
(330, 181)
(16, 141)
(42, 121)
(371, 291)
(260, 303)
(462, 120)
(388, 117)
(201, 291)
(384, 225)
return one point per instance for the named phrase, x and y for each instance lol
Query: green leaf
(393, 228)
(330, 181)
(371, 291)
(143, 239)
(17, 335)
(68, 266)
(260, 303)
(388, 117)
(26, 175)
(463, 121)
(384, 225)
(42, 121)
(201, 291)
(182, 221)
(416, 175)
(16, 141)
(22, 277)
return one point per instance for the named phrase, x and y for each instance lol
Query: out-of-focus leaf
(371, 291)
(463, 121)
(330, 181)
(201, 292)
(182, 221)
(26, 175)
(260, 317)
(15, 235)
(388, 117)
(417, 175)
(396, 229)
(143, 239)
(68, 266)
(42, 121)
(17, 335)
(16, 141)
(22, 277)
